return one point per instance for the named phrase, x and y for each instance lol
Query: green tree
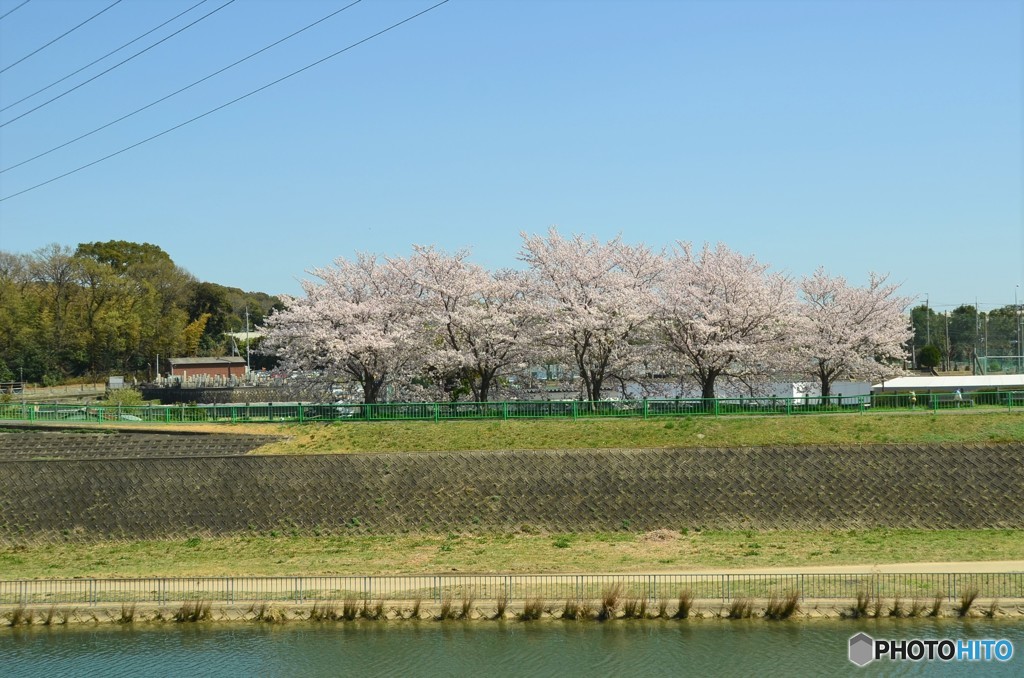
(929, 356)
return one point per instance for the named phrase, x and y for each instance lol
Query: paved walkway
(972, 566)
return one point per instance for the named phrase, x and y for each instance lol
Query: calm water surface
(654, 648)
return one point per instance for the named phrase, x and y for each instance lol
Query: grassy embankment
(737, 431)
(611, 552)
(505, 553)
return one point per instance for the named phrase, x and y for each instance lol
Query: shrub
(916, 608)
(19, 616)
(533, 608)
(127, 613)
(501, 605)
(349, 608)
(936, 606)
(631, 608)
(417, 603)
(897, 607)
(571, 610)
(930, 356)
(782, 607)
(609, 601)
(966, 600)
(193, 611)
(467, 604)
(741, 608)
(685, 603)
(446, 606)
(860, 607)
(321, 612)
(663, 608)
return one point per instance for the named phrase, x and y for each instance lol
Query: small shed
(226, 366)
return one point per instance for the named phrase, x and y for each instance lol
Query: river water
(548, 648)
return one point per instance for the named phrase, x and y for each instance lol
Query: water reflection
(653, 648)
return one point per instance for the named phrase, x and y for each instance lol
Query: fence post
(645, 408)
(437, 412)
(504, 410)
(574, 410)
(716, 407)
(300, 413)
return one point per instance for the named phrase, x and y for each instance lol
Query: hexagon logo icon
(862, 649)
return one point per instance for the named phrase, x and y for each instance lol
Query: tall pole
(1016, 316)
(949, 349)
(247, 343)
(928, 319)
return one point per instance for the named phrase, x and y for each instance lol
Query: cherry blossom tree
(595, 302)
(481, 323)
(723, 315)
(851, 332)
(357, 323)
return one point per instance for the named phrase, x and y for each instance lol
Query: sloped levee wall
(136, 497)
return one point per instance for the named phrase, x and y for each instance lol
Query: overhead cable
(11, 10)
(93, 63)
(120, 63)
(40, 49)
(225, 105)
(175, 93)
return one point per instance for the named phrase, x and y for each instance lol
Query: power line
(59, 36)
(57, 82)
(154, 103)
(233, 101)
(120, 63)
(10, 11)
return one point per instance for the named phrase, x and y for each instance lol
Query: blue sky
(854, 135)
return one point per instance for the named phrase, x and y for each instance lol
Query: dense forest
(112, 307)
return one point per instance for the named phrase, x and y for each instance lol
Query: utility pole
(1016, 316)
(949, 349)
(928, 320)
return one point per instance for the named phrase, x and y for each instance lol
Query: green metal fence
(513, 409)
(550, 588)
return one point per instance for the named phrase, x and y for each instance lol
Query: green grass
(925, 427)
(525, 553)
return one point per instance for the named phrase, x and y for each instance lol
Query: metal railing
(514, 409)
(550, 588)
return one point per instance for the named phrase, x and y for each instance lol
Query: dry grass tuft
(741, 608)
(193, 611)
(782, 607)
(323, 611)
(533, 608)
(916, 608)
(127, 614)
(685, 603)
(897, 608)
(609, 602)
(447, 603)
(349, 608)
(417, 603)
(466, 609)
(501, 604)
(19, 616)
(966, 600)
(936, 606)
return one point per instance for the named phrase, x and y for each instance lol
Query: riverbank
(911, 427)
(610, 552)
(537, 610)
